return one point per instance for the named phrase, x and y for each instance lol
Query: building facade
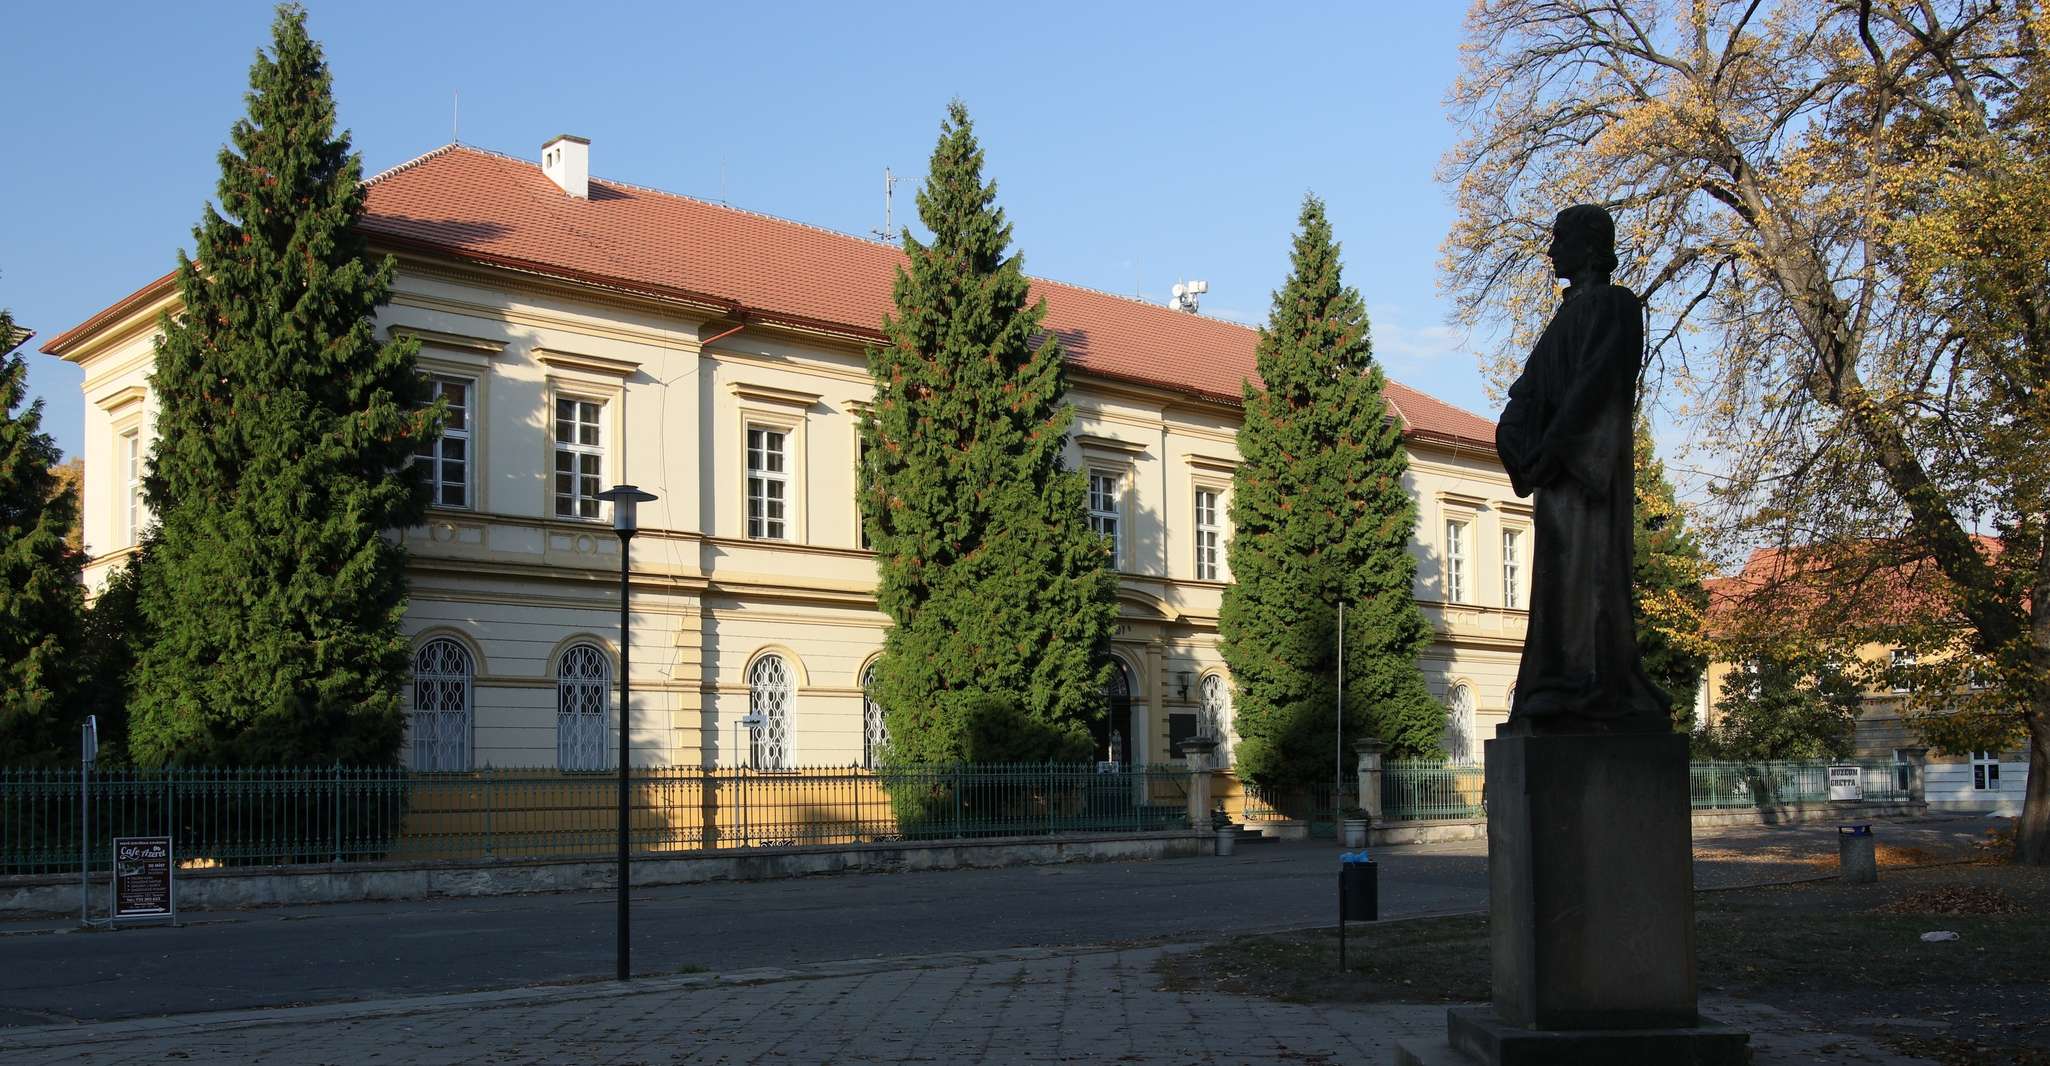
(586, 333)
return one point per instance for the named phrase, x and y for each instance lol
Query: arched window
(583, 694)
(441, 706)
(875, 733)
(1459, 725)
(1215, 721)
(768, 699)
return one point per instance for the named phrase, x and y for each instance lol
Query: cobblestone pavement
(1083, 1005)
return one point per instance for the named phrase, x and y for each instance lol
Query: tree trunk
(2032, 829)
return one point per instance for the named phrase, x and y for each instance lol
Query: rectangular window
(448, 459)
(1512, 568)
(579, 457)
(1903, 661)
(131, 451)
(1207, 534)
(1455, 562)
(860, 520)
(1902, 769)
(768, 483)
(1985, 771)
(1105, 491)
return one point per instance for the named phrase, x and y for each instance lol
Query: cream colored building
(590, 332)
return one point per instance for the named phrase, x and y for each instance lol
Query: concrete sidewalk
(1102, 1004)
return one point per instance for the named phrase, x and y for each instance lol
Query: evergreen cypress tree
(1319, 515)
(285, 432)
(1668, 574)
(41, 603)
(995, 583)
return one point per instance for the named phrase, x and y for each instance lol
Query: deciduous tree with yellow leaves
(1836, 213)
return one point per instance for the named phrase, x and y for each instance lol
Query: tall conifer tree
(995, 583)
(285, 431)
(1319, 515)
(41, 606)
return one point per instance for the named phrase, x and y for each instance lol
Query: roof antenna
(455, 122)
(889, 231)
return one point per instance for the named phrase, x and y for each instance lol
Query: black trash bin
(1359, 891)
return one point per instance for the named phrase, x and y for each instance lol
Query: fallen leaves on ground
(1952, 899)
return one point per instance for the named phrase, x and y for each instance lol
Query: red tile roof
(484, 207)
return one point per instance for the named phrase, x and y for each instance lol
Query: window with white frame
(1208, 534)
(583, 694)
(875, 733)
(768, 702)
(768, 483)
(1985, 771)
(447, 458)
(1215, 721)
(1512, 568)
(579, 457)
(1106, 495)
(1460, 726)
(1455, 561)
(440, 719)
(1903, 661)
(131, 457)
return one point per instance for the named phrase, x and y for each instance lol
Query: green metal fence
(340, 814)
(1717, 785)
(1422, 788)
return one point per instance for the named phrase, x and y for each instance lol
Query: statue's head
(1583, 241)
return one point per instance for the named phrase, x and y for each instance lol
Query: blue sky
(1132, 145)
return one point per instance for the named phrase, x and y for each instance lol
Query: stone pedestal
(1197, 751)
(1370, 751)
(1591, 909)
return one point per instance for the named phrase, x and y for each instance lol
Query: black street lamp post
(624, 499)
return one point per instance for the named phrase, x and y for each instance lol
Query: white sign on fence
(1846, 783)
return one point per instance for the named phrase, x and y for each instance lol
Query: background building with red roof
(588, 332)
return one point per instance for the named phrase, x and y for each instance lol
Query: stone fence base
(56, 895)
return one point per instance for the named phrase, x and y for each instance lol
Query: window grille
(583, 695)
(1512, 568)
(440, 720)
(1207, 535)
(1903, 661)
(768, 483)
(1105, 512)
(1460, 726)
(579, 457)
(875, 733)
(768, 687)
(1455, 562)
(447, 458)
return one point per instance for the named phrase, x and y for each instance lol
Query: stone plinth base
(1476, 1038)
(1591, 882)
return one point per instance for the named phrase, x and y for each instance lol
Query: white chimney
(566, 160)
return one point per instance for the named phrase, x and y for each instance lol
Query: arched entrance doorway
(1114, 729)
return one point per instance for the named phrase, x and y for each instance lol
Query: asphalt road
(288, 956)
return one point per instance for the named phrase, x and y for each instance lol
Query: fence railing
(1421, 788)
(341, 814)
(1716, 785)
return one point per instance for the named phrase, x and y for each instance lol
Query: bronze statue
(1566, 436)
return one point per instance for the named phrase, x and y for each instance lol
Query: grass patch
(1850, 955)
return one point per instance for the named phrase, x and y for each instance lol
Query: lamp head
(625, 499)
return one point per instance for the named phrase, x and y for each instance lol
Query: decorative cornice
(1088, 442)
(121, 398)
(1211, 462)
(593, 364)
(439, 339)
(1462, 499)
(772, 395)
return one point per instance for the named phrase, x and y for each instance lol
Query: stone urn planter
(1227, 839)
(1353, 831)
